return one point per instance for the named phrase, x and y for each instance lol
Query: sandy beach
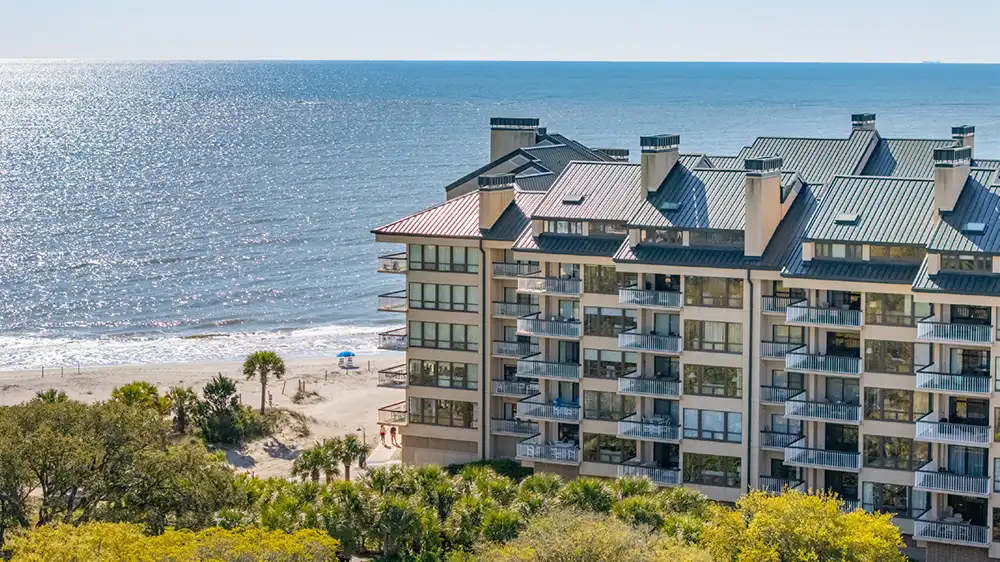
(348, 399)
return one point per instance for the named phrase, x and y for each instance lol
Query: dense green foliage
(221, 417)
(504, 467)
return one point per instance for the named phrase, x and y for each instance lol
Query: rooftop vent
(763, 164)
(543, 131)
(617, 154)
(963, 131)
(670, 206)
(847, 218)
(974, 228)
(573, 199)
(952, 155)
(863, 121)
(513, 122)
(496, 181)
(659, 143)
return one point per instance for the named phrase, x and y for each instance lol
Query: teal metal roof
(569, 245)
(961, 284)
(978, 203)
(607, 191)
(889, 211)
(904, 158)
(708, 198)
(816, 160)
(724, 162)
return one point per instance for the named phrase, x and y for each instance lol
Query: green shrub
(504, 467)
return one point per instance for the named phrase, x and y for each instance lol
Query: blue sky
(689, 30)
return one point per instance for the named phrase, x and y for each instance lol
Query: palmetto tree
(262, 365)
(353, 450)
(588, 494)
(51, 396)
(183, 402)
(141, 394)
(314, 461)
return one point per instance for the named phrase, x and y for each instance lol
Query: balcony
(964, 384)
(798, 408)
(553, 328)
(664, 300)
(392, 263)
(514, 349)
(777, 394)
(393, 377)
(393, 414)
(637, 385)
(949, 483)
(797, 454)
(776, 350)
(954, 333)
(514, 309)
(659, 476)
(513, 427)
(634, 341)
(799, 313)
(776, 305)
(393, 340)
(931, 430)
(822, 364)
(548, 370)
(536, 449)
(649, 429)
(777, 441)
(515, 388)
(533, 408)
(514, 270)
(549, 286)
(392, 302)
(951, 533)
(773, 485)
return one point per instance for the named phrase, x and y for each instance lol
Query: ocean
(194, 211)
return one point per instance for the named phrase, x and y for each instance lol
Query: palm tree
(263, 364)
(183, 402)
(630, 486)
(334, 449)
(141, 394)
(588, 494)
(51, 396)
(398, 524)
(313, 461)
(353, 450)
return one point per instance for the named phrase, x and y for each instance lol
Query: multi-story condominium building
(809, 313)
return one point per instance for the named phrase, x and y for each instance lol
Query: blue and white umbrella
(346, 354)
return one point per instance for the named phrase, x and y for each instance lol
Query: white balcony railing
(515, 388)
(797, 454)
(929, 429)
(392, 302)
(554, 328)
(514, 309)
(549, 285)
(548, 370)
(946, 332)
(800, 313)
(393, 414)
(659, 476)
(825, 364)
(636, 385)
(533, 407)
(655, 343)
(949, 483)
(536, 449)
(649, 429)
(775, 485)
(667, 300)
(776, 305)
(797, 407)
(392, 263)
(393, 340)
(502, 269)
(513, 427)
(777, 441)
(976, 385)
(777, 394)
(776, 350)
(393, 377)
(515, 349)
(951, 533)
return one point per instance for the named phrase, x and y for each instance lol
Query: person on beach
(381, 433)
(392, 434)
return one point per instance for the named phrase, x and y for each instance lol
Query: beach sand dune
(347, 399)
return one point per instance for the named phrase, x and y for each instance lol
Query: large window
(717, 238)
(606, 364)
(427, 257)
(433, 411)
(564, 227)
(726, 337)
(607, 448)
(960, 263)
(898, 453)
(608, 406)
(838, 251)
(663, 236)
(712, 470)
(443, 374)
(788, 334)
(895, 405)
(608, 229)
(604, 280)
(713, 381)
(911, 254)
(900, 501)
(889, 357)
(712, 425)
(889, 309)
(432, 296)
(713, 291)
(607, 322)
(439, 335)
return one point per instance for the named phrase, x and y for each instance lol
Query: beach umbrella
(346, 354)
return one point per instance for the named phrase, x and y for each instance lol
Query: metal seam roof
(610, 192)
(979, 202)
(708, 198)
(890, 211)
(816, 160)
(904, 158)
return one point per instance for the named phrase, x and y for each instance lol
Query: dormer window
(663, 236)
(912, 254)
(962, 263)
(564, 227)
(828, 250)
(723, 238)
(608, 229)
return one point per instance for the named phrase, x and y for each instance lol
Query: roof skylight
(670, 206)
(974, 228)
(847, 218)
(573, 199)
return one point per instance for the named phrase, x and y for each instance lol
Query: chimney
(659, 154)
(762, 191)
(863, 122)
(965, 135)
(496, 192)
(616, 154)
(508, 134)
(951, 169)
